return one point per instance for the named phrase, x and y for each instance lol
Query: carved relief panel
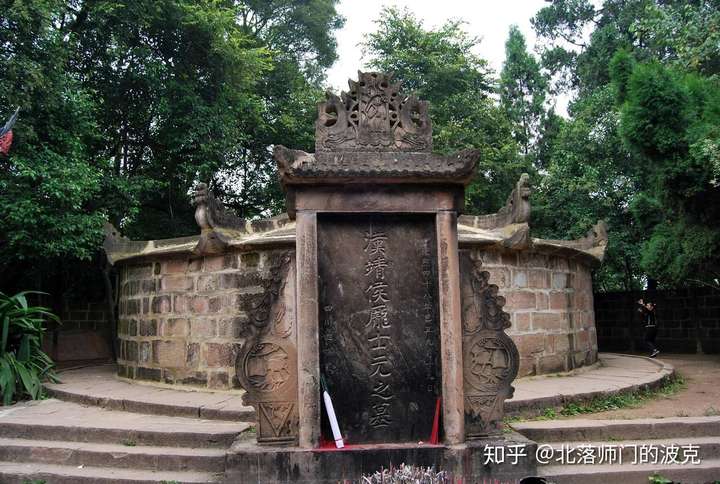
(490, 357)
(373, 116)
(267, 363)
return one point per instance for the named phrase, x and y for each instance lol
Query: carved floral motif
(373, 116)
(490, 357)
(266, 365)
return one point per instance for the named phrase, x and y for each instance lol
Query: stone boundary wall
(688, 320)
(550, 302)
(87, 316)
(181, 319)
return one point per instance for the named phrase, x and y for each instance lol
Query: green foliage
(645, 120)
(439, 65)
(126, 105)
(522, 90)
(658, 479)
(23, 364)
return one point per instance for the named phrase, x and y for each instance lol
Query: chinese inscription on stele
(379, 333)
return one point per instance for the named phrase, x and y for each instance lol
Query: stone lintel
(378, 198)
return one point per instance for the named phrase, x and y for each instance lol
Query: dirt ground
(700, 398)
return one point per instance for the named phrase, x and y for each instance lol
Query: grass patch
(624, 400)
(607, 403)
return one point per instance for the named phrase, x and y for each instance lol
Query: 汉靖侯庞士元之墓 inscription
(379, 334)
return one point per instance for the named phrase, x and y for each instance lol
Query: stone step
(707, 448)
(99, 386)
(21, 473)
(71, 422)
(706, 472)
(585, 430)
(112, 455)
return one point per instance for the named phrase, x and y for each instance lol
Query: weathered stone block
(529, 344)
(199, 305)
(181, 304)
(193, 355)
(131, 350)
(558, 301)
(153, 374)
(145, 352)
(519, 300)
(175, 266)
(148, 327)
(549, 321)
(250, 259)
(175, 327)
(541, 301)
(559, 280)
(539, 279)
(203, 328)
(521, 322)
(520, 278)
(208, 283)
(176, 283)
(161, 304)
(219, 354)
(217, 380)
(169, 353)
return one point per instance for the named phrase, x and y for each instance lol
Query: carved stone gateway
(379, 311)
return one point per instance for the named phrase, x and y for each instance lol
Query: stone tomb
(361, 282)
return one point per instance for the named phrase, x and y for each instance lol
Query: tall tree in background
(127, 104)
(439, 66)
(522, 91)
(579, 41)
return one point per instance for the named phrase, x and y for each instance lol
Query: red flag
(5, 142)
(6, 134)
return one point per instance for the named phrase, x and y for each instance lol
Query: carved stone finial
(210, 216)
(598, 234)
(515, 211)
(373, 116)
(517, 207)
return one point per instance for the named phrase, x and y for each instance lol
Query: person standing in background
(647, 309)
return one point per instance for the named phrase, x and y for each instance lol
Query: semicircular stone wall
(182, 319)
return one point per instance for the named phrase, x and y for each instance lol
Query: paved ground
(98, 386)
(700, 398)
(614, 373)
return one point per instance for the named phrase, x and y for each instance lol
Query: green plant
(658, 479)
(23, 364)
(129, 443)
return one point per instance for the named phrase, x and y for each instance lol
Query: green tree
(125, 105)
(670, 120)
(522, 90)
(578, 43)
(439, 66)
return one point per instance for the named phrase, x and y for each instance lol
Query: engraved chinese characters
(267, 363)
(379, 326)
(490, 358)
(379, 332)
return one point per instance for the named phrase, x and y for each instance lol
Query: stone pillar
(308, 346)
(450, 327)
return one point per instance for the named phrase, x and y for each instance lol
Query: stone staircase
(59, 442)
(643, 447)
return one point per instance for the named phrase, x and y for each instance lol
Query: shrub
(23, 364)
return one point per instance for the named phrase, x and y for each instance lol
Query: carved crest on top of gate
(373, 116)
